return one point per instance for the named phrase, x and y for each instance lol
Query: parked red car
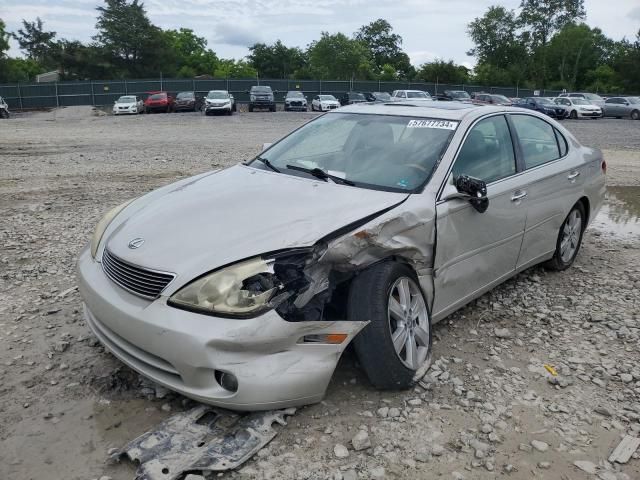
(159, 102)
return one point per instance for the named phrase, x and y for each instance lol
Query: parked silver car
(128, 104)
(242, 287)
(622, 107)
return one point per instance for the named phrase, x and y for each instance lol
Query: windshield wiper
(267, 163)
(321, 174)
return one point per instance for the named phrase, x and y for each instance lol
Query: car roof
(444, 110)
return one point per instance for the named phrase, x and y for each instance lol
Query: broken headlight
(238, 290)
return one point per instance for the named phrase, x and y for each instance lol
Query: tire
(251, 108)
(385, 368)
(573, 115)
(4, 114)
(635, 115)
(272, 108)
(233, 108)
(561, 261)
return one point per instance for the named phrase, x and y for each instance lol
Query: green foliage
(230, 68)
(385, 48)
(133, 45)
(189, 54)
(4, 39)
(277, 60)
(37, 43)
(443, 72)
(339, 57)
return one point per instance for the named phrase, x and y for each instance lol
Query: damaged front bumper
(188, 352)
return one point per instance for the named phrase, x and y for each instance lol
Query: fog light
(227, 381)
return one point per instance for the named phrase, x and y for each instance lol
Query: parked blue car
(543, 105)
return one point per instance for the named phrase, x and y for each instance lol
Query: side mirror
(265, 146)
(468, 188)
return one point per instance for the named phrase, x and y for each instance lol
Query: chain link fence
(100, 93)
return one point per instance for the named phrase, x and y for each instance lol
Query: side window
(402, 94)
(562, 143)
(487, 152)
(537, 139)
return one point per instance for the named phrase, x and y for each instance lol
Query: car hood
(225, 216)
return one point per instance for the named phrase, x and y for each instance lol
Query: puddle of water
(620, 215)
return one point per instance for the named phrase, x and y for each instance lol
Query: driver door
(475, 251)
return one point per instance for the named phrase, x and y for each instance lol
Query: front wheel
(396, 344)
(569, 239)
(635, 115)
(573, 115)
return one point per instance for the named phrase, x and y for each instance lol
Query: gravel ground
(488, 408)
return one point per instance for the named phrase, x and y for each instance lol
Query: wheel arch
(586, 205)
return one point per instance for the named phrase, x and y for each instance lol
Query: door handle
(573, 175)
(519, 195)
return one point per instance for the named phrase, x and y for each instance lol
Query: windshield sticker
(444, 124)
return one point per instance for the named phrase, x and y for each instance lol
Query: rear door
(552, 179)
(477, 250)
(612, 107)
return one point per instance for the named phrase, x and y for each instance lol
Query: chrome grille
(138, 280)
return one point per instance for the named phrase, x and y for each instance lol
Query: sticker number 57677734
(445, 124)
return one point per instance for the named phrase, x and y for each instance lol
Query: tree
(277, 60)
(4, 40)
(626, 62)
(37, 43)
(230, 68)
(541, 19)
(495, 38)
(190, 53)
(443, 72)
(339, 57)
(385, 47)
(130, 42)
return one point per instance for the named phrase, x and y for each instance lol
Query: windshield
(545, 101)
(417, 95)
(217, 95)
(260, 89)
(382, 152)
(328, 97)
(356, 96)
(185, 95)
(158, 96)
(295, 94)
(580, 101)
(633, 100)
(460, 95)
(593, 96)
(501, 99)
(382, 95)
(128, 99)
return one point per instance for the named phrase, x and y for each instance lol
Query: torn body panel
(203, 439)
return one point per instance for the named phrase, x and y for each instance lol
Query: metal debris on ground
(203, 439)
(627, 446)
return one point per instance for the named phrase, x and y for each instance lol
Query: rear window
(185, 95)
(158, 96)
(261, 89)
(537, 139)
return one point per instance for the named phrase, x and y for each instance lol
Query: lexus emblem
(136, 243)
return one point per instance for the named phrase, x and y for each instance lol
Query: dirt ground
(487, 409)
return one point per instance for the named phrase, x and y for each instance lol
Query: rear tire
(272, 108)
(569, 239)
(635, 115)
(251, 108)
(573, 115)
(371, 295)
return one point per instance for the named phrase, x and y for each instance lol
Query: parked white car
(128, 104)
(324, 103)
(592, 98)
(219, 101)
(4, 109)
(579, 107)
(402, 95)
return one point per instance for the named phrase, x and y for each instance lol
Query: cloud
(634, 14)
(229, 34)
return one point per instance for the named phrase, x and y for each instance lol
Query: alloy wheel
(408, 322)
(571, 236)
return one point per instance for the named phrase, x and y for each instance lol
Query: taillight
(604, 166)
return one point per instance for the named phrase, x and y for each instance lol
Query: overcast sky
(430, 28)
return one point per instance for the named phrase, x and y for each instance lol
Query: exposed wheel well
(587, 209)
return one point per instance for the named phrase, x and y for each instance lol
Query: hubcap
(408, 323)
(571, 236)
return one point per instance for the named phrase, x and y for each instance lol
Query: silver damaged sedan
(242, 287)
